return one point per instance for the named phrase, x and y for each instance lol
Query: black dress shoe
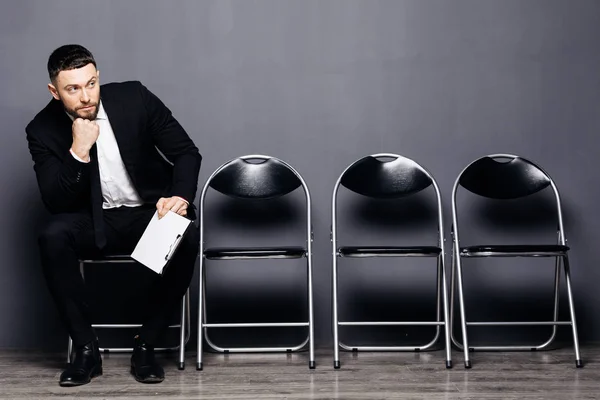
(144, 367)
(87, 365)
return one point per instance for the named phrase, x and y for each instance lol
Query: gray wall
(320, 84)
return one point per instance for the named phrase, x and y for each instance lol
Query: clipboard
(160, 240)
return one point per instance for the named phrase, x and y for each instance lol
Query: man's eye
(92, 84)
(71, 90)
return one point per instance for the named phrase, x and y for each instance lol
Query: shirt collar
(101, 112)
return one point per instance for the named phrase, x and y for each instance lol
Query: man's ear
(53, 91)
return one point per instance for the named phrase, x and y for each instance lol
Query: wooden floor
(540, 375)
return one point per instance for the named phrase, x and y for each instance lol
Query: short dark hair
(67, 57)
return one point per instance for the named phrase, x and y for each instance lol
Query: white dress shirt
(117, 188)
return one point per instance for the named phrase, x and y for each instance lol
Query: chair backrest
(257, 177)
(504, 177)
(386, 176)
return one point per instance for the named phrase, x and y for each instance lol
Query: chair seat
(107, 258)
(247, 253)
(514, 250)
(389, 251)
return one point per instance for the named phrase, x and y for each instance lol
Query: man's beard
(90, 115)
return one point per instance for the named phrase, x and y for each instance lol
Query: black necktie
(96, 195)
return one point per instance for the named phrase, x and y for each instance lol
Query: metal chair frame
(441, 291)
(204, 326)
(458, 253)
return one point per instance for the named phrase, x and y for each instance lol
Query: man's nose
(85, 98)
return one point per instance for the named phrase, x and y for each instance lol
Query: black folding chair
(254, 177)
(389, 176)
(506, 177)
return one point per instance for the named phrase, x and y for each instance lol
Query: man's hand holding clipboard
(160, 240)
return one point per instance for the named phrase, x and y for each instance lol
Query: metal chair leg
(182, 332)
(311, 341)
(336, 341)
(452, 296)
(70, 350)
(463, 318)
(446, 317)
(578, 361)
(188, 316)
(201, 279)
(438, 298)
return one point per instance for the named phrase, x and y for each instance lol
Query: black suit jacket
(142, 124)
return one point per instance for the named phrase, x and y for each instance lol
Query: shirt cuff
(181, 198)
(75, 156)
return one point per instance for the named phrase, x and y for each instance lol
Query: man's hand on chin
(176, 204)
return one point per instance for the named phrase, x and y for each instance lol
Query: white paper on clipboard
(160, 240)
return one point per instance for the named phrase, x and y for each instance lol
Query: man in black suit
(102, 179)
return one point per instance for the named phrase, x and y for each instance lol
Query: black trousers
(69, 237)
